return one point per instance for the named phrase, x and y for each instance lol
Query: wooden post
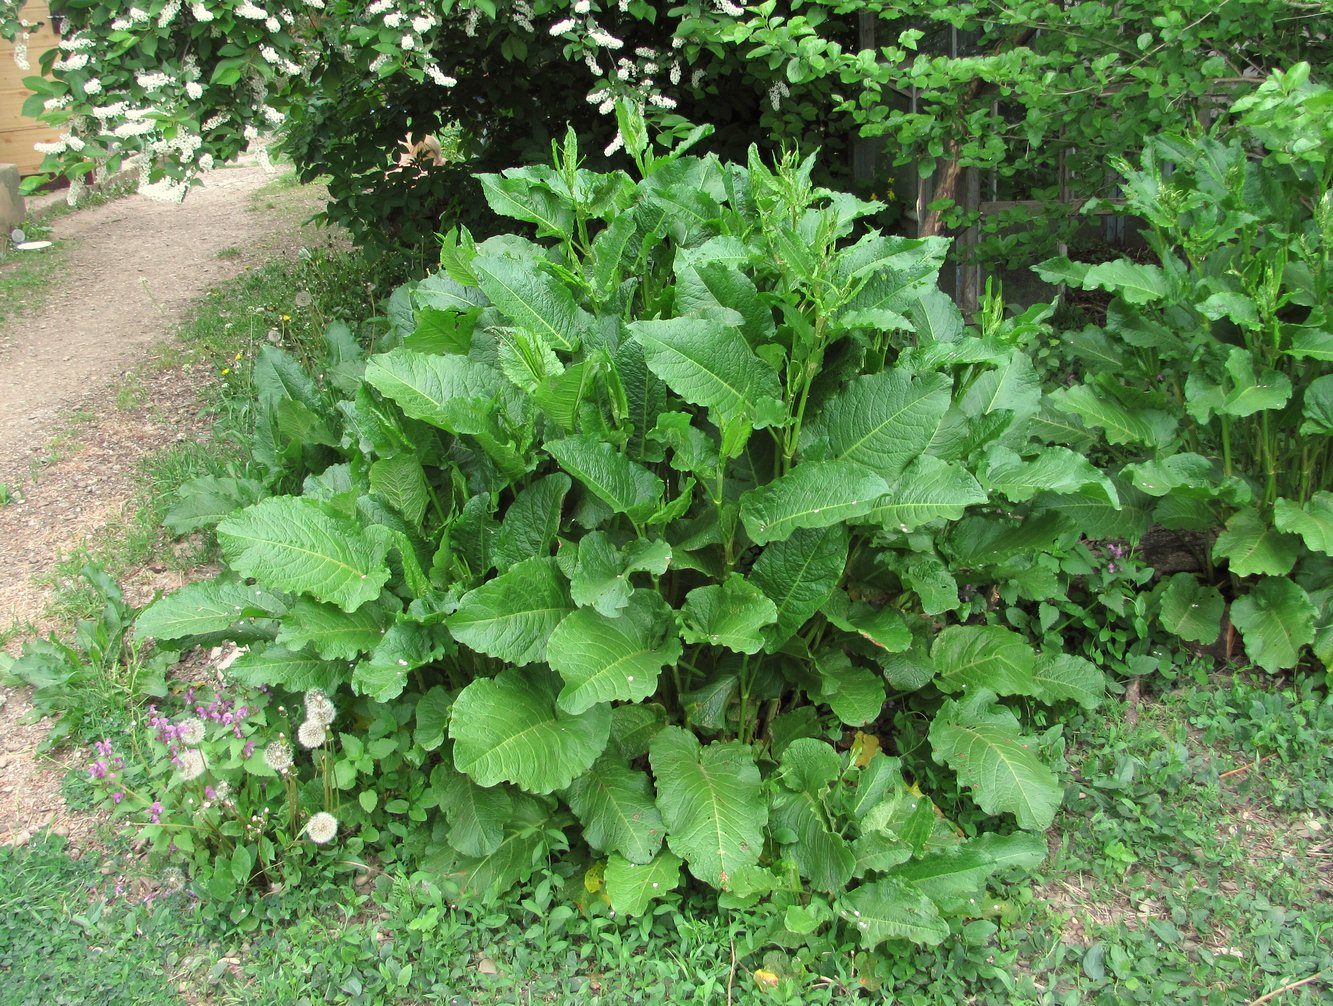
(969, 268)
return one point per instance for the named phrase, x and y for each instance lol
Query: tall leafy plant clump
(639, 523)
(1214, 371)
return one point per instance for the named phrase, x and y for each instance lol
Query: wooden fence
(18, 134)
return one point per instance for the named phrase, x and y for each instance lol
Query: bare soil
(68, 452)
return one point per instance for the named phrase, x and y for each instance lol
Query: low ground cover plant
(640, 527)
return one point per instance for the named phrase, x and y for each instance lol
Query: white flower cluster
(319, 715)
(322, 828)
(152, 81)
(74, 61)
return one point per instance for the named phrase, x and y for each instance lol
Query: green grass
(1169, 883)
(62, 943)
(26, 278)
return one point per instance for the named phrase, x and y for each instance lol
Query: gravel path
(133, 268)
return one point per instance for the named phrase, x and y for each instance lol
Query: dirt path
(134, 269)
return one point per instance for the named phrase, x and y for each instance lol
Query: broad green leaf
(692, 449)
(612, 250)
(199, 609)
(290, 543)
(1317, 407)
(203, 501)
(645, 398)
(614, 803)
(1275, 619)
(278, 666)
(1013, 386)
(444, 293)
(512, 616)
(603, 659)
(401, 483)
(1313, 521)
(1244, 394)
(513, 193)
(1018, 850)
(532, 522)
(1097, 518)
(855, 694)
(533, 300)
(809, 766)
(980, 740)
(821, 855)
(602, 576)
(893, 909)
(527, 360)
(954, 879)
(879, 852)
(448, 392)
(813, 494)
(882, 627)
(1061, 677)
(711, 801)
(633, 887)
(884, 420)
(521, 848)
(1060, 270)
(633, 728)
(1251, 546)
(935, 586)
(929, 490)
(1121, 425)
(1313, 345)
(903, 815)
(1052, 469)
(706, 288)
(731, 614)
(936, 318)
(278, 376)
(470, 540)
(799, 574)
(431, 718)
(623, 485)
(405, 647)
(508, 729)
(709, 364)
(331, 632)
(1137, 283)
(476, 814)
(983, 656)
(1192, 610)
(911, 669)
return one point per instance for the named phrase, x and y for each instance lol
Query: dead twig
(1246, 767)
(1287, 988)
(1132, 704)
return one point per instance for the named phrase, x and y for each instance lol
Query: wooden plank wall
(18, 134)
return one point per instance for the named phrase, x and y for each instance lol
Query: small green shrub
(97, 680)
(1212, 373)
(635, 527)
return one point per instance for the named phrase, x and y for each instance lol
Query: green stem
(743, 718)
(1270, 459)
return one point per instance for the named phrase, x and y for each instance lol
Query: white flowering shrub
(191, 84)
